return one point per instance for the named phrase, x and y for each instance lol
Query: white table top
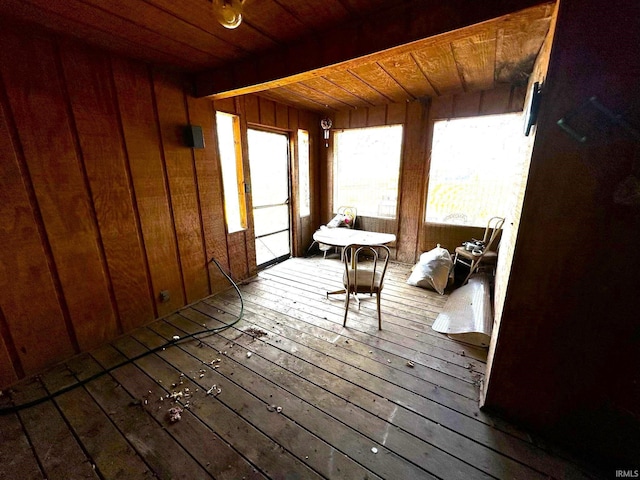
(341, 237)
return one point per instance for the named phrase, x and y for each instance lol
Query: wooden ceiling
(315, 54)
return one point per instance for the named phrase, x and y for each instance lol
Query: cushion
(432, 270)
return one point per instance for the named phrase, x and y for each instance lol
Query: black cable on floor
(51, 396)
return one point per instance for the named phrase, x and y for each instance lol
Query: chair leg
(346, 307)
(379, 315)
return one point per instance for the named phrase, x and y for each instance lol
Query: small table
(342, 237)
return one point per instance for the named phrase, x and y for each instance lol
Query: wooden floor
(286, 393)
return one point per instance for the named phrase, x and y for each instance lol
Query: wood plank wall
(262, 113)
(414, 235)
(570, 318)
(101, 204)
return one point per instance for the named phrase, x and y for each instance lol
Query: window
(235, 207)
(366, 170)
(476, 167)
(304, 194)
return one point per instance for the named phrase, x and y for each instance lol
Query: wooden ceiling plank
(151, 18)
(200, 15)
(475, 58)
(318, 96)
(517, 47)
(439, 66)
(290, 97)
(57, 23)
(366, 40)
(93, 17)
(270, 18)
(380, 80)
(332, 90)
(317, 15)
(357, 87)
(404, 70)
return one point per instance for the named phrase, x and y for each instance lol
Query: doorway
(269, 166)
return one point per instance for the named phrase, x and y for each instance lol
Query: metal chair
(484, 254)
(364, 273)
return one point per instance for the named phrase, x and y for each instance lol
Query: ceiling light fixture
(228, 12)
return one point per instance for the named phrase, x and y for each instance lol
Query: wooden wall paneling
(10, 365)
(294, 169)
(209, 180)
(396, 113)
(236, 243)
(341, 119)
(251, 107)
(377, 116)
(496, 100)
(41, 112)
(413, 175)
(143, 146)
(518, 95)
(267, 112)
(89, 83)
(171, 105)
(282, 116)
(448, 236)
(249, 233)
(466, 105)
(441, 107)
(227, 105)
(25, 271)
(358, 118)
(311, 123)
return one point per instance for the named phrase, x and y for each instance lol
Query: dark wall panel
(92, 95)
(38, 99)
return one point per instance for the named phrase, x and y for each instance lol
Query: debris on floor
(274, 408)
(174, 414)
(214, 390)
(248, 354)
(374, 449)
(410, 364)
(255, 332)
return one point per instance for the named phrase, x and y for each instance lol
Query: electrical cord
(174, 341)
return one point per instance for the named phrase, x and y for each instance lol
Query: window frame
(334, 170)
(241, 224)
(475, 223)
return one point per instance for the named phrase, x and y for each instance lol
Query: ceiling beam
(350, 44)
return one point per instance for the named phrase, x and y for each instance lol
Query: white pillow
(432, 270)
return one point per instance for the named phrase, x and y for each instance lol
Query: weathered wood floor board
(286, 393)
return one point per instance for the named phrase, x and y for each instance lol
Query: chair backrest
(494, 225)
(365, 266)
(351, 213)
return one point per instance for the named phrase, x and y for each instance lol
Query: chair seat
(364, 281)
(487, 257)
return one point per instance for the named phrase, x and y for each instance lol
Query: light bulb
(228, 12)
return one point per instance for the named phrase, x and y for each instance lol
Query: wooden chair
(364, 273)
(486, 255)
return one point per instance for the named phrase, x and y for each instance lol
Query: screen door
(269, 164)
